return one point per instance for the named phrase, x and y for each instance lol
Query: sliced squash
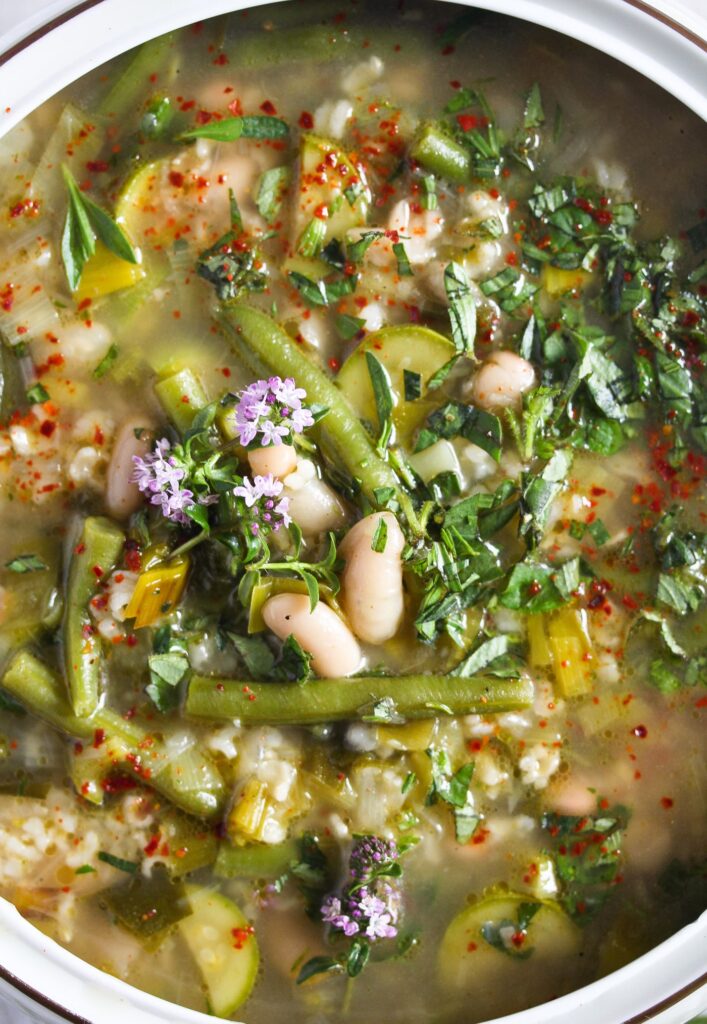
(105, 273)
(491, 962)
(407, 347)
(224, 947)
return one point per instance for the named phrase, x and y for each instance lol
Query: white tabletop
(691, 13)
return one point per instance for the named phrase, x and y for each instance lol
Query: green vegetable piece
(181, 396)
(326, 173)
(148, 906)
(190, 780)
(95, 554)
(224, 947)
(330, 700)
(126, 95)
(435, 150)
(264, 346)
(231, 128)
(271, 192)
(256, 860)
(398, 349)
(511, 945)
(25, 563)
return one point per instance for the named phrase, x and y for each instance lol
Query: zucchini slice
(407, 347)
(224, 947)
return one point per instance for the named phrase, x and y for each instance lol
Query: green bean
(92, 559)
(268, 349)
(181, 396)
(256, 860)
(188, 779)
(330, 700)
(127, 94)
(435, 150)
(310, 44)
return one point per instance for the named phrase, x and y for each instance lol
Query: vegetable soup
(353, 579)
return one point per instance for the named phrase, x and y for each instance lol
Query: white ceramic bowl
(667, 985)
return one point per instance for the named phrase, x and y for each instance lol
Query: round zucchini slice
(407, 347)
(508, 951)
(224, 947)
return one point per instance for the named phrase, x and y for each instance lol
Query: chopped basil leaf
(37, 394)
(25, 563)
(380, 536)
(404, 268)
(429, 200)
(106, 362)
(462, 309)
(271, 192)
(229, 129)
(383, 395)
(348, 326)
(128, 866)
(412, 384)
(312, 237)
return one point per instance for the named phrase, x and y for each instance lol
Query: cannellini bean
(372, 582)
(122, 494)
(483, 259)
(84, 343)
(320, 632)
(278, 459)
(315, 507)
(502, 380)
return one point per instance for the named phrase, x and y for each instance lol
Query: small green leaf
(106, 362)
(380, 536)
(462, 309)
(37, 394)
(404, 268)
(348, 326)
(25, 563)
(128, 866)
(271, 192)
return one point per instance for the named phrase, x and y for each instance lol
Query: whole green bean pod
(189, 778)
(92, 559)
(268, 349)
(331, 700)
(126, 95)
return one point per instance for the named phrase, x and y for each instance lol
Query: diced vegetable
(181, 396)
(412, 348)
(157, 592)
(148, 906)
(571, 651)
(436, 151)
(105, 273)
(255, 860)
(225, 949)
(557, 281)
(331, 189)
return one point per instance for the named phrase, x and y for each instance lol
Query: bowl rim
(28, 32)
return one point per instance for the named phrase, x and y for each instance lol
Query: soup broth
(353, 431)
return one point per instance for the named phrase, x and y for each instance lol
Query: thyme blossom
(369, 903)
(158, 476)
(271, 412)
(259, 497)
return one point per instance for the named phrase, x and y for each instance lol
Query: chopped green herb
(25, 563)
(106, 362)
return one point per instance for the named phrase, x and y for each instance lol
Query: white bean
(122, 494)
(278, 459)
(372, 582)
(320, 632)
(502, 380)
(315, 507)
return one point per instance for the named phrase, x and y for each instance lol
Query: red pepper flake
(640, 731)
(176, 179)
(306, 120)
(97, 166)
(701, 703)
(334, 364)
(241, 936)
(472, 947)
(204, 116)
(151, 849)
(268, 107)
(221, 60)
(47, 428)
(666, 802)
(467, 122)
(321, 212)
(99, 738)
(97, 571)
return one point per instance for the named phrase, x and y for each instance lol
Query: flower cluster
(369, 903)
(271, 412)
(259, 497)
(159, 476)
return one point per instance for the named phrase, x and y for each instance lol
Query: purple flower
(259, 496)
(331, 914)
(271, 412)
(370, 901)
(158, 476)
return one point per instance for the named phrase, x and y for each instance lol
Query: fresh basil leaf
(78, 241)
(380, 536)
(26, 563)
(383, 395)
(462, 309)
(294, 663)
(533, 114)
(348, 326)
(106, 362)
(412, 385)
(404, 268)
(312, 237)
(271, 192)
(256, 654)
(128, 866)
(482, 656)
(37, 394)
(109, 231)
(466, 822)
(229, 129)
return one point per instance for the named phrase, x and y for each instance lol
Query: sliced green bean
(92, 560)
(331, 700)
(181, 396)
(268, 349)
(189, 779)
(436, 151)
(127, 94)
(310, 44)
(256, 860)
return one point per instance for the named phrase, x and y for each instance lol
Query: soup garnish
(353, 438)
